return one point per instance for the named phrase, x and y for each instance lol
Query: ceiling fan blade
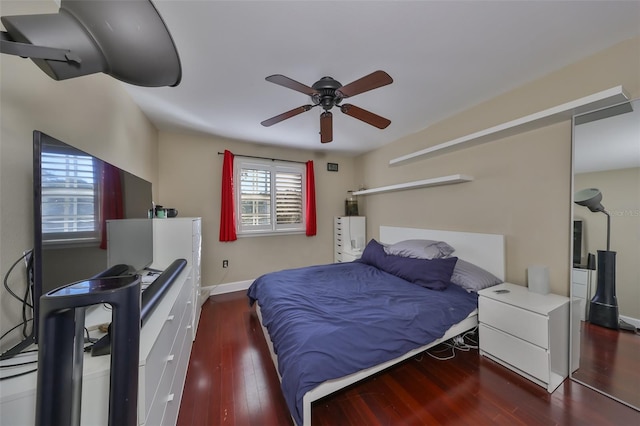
(291, 84)
(280, 117)
(366, 116)
(368, 82)
(326, 127)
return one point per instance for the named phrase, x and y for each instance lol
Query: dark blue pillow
(373, 254)
(434, 274)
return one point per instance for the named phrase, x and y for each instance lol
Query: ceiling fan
(328, 93)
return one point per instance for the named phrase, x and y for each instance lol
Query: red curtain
(227, 209)
(111, 202)
(311, 201)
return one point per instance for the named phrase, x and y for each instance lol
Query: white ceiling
(444, 57)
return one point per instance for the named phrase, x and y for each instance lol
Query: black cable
(6, 277)
(88, 337)
(12, 328)
(19, 364)
(19, 374)
(27, 294)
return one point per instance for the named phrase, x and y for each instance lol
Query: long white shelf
(559, 113)
(444, 180)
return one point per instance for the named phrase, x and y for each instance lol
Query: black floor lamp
(604, 305)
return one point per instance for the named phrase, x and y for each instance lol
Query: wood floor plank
(231, 381)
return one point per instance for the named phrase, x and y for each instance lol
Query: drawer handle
(170, 358)
(189, 327)
(170, 397)
(188, 302)
(170, 317)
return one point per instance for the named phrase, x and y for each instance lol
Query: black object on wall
(61, 350)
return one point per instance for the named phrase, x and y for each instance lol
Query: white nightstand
(526, 332)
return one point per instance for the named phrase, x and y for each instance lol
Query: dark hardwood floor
(231, 380)
(610, 360)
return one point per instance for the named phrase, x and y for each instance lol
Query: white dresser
(181, 238)
(582, 283)
(349, 237)
(526, 332)
(165, 344)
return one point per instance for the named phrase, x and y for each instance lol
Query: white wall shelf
(444, 180)
(559, 113)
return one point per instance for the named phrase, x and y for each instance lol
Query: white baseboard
(227, 287)
(630, 320)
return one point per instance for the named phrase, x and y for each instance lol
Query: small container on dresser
(526, 332)
(349, 236)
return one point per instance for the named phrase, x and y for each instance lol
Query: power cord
(28, 255)
(463, 342)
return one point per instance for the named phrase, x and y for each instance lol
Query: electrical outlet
(225, 263)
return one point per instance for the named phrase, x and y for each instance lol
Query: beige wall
(190, 180)
(93, 113)
(522, 185)
(621, 198)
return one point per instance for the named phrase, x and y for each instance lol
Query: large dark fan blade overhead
(366, 116)
(326, 127)
(291, 84)
(278, 118)
(368, 82)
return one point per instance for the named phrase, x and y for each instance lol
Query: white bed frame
(484, 250)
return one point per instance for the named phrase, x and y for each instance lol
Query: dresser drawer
(159, 397)
(579, 290)
(158, 357)
(177, 385)
(519, 354)
(516, 321)
(580, 276)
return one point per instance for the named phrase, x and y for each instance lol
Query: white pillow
(420, 249)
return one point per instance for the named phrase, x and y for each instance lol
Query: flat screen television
(76, 197)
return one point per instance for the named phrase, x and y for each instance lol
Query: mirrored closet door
(605, 279)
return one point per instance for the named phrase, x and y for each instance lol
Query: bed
(324, 343)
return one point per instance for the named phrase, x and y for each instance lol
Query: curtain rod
(265, 158)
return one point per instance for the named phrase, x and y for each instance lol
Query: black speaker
(603, 310)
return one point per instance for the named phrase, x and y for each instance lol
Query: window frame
(272, 167)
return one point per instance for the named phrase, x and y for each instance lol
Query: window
(70, 194)
(270, 196)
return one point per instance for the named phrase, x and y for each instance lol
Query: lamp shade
(589, 198)
(125, 39)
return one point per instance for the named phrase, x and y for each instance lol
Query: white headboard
(484, 250)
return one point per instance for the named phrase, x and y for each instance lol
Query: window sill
(269, 234)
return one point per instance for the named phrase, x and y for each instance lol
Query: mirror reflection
(605, 287)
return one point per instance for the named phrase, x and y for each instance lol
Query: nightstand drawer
(519, 354)
(516, 321)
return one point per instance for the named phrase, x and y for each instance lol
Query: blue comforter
(329, 321)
